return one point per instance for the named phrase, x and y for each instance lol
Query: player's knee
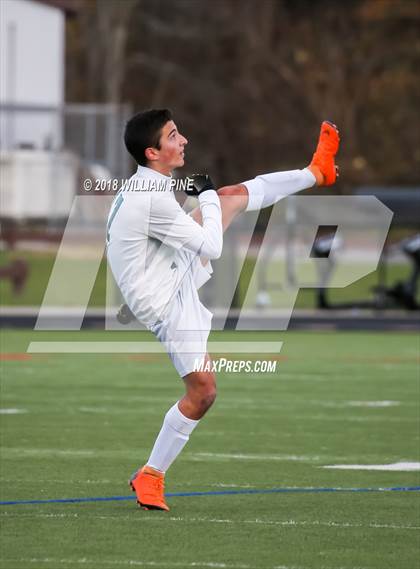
(235, 190)
(207, 393)
(203, 391)
(234, 199)
(208, 399)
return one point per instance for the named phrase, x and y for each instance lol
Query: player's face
(172, 144)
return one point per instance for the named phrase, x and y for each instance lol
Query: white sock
(172, 438)
(267, 189)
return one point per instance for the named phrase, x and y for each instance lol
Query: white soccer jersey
(146, 229)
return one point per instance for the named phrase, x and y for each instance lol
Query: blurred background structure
(249, 83)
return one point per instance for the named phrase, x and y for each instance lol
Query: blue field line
(215, 493)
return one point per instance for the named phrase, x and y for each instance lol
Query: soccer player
(160, 257)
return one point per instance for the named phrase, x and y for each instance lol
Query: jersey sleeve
(171, 225)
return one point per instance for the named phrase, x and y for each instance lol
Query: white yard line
(404, 466)
(257, 521)
(198, 457)
(118, 482)
(56, 481)
(46, 451)
(358, 419)
(134, 563)
(346, 404)
(139, 563)
(238, 456)
(373, 403)
(149, 410)
(11, 452)
(87, 453)
(284, 404)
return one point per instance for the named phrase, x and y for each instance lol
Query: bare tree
(250, 81)
(98, 44)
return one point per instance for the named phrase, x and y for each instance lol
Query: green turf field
(87, 422)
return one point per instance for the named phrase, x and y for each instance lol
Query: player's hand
(200, 183)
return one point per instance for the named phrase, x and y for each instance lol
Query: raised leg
(233, 201)
(267, 189)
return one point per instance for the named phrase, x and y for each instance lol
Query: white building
(38, 181)
(32, 43)
(39, 166)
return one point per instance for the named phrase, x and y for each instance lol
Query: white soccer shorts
(185, 329)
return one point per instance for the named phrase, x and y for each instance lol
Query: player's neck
(160, 168)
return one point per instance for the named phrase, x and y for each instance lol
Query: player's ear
(151, 153)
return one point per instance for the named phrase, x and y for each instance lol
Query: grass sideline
(89, 420)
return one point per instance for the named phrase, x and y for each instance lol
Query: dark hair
(143, 131)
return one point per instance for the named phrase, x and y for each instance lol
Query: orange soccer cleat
(327, 148)
(149, 486)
